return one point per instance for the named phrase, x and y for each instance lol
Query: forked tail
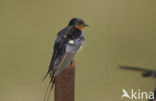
(49, 89)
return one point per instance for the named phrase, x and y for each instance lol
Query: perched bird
(67, 43)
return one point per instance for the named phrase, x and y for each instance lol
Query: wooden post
(65, 84)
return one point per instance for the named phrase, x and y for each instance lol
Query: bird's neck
(73, 29)
(73, 32)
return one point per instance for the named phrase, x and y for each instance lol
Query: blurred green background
(122, 32)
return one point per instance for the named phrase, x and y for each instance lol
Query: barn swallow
(145, 72)
(67, 43)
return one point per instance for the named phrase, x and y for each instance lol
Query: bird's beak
(85, 25)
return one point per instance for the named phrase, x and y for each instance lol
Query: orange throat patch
(80, 27)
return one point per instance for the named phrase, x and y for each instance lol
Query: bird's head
(78, 23)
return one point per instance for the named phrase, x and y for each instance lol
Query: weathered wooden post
(65, 84)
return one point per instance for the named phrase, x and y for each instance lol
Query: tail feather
(50, 70)
(49, 89)
(45, 76)
(53, 82)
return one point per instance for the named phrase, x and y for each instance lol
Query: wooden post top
(65, 84)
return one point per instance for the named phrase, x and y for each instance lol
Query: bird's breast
(74, 45)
